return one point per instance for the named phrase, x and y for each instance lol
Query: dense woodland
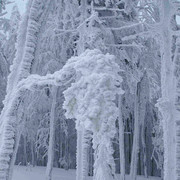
(91, 85)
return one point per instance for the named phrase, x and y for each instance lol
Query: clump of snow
(97, 82)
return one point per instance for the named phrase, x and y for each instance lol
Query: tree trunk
(52, 135)
(121, 141)
(144, 150)
(79, 155)
(26, 47)
(66, 152)
(135, 149)
(90, 160)
(25, 151)
(166, 103)
(9, 139)
(17, 139)
(104, 167)
(83, 141)
(177, 105)
(32, 154)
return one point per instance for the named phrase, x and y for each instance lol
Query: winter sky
(21, 6)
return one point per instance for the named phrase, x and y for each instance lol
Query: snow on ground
(38, 173)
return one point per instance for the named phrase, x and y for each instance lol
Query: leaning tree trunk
(27, 38)
(52, 135)
(9, 139)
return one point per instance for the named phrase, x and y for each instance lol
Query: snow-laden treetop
(90, 99)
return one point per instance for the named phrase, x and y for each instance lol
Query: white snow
(38, 173)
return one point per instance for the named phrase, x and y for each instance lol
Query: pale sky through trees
(21, 6)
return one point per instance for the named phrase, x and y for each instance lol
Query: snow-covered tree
(65, 46)
(9, 137)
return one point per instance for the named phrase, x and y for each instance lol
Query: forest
(90, 89)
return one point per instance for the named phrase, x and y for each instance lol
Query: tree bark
(144, 149)
(25, 151)
(121, 141)
(166, 104)
(135, 149)
(17, 139)
(51, 147)
(83, 141)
